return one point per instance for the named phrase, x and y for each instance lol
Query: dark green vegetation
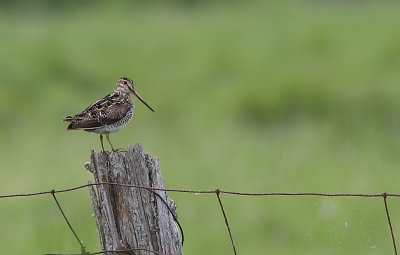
(257, 97)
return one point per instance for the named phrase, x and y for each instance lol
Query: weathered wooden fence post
(128, 217)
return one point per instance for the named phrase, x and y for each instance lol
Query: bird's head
(125, 85)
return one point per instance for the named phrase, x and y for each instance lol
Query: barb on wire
(217, 192)
(384, 195)
(83, 251)
(109, 251)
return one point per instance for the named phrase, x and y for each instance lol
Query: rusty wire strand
(201, 192)
(83, 251)
(384, 195)
(217, 192)
(172, 214)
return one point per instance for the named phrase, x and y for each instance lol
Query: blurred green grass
(294, 96)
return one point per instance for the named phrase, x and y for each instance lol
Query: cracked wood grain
(131, 217)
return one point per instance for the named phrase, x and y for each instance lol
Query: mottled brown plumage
(109, 114)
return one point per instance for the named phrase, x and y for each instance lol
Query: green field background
(252, 96)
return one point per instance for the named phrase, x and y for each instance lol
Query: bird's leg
(101, 141)
(108, 139)
(113, 149)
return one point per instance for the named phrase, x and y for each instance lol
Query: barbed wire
(217, 192)
(201, 192)
(389, 222)
(83, 250)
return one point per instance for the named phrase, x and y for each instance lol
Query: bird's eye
(125, 83)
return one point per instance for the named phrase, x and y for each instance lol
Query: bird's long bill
(142, 100)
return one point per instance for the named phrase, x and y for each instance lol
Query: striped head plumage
(124, 85)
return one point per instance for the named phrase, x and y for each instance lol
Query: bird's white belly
(110, 128)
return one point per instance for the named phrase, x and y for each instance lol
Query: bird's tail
(68, 118)
(72, 121)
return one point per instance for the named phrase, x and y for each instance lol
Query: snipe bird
(109, 114)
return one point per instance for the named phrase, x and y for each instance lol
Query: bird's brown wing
(114, 113)
(103, 112)
(90, 117)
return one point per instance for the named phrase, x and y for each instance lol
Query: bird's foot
(118, 150)
(105, 152)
